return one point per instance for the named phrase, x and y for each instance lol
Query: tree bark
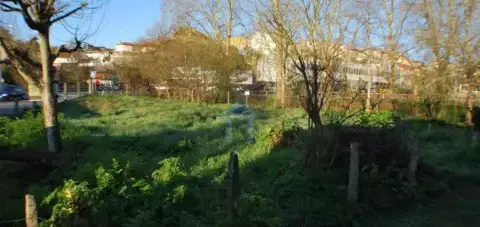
(469, 102)
(229, 26)
(280, 93)
(49, 99)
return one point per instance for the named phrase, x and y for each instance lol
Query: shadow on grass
(76, 110)
(275, 189)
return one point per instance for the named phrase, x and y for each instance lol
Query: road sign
(93, 74)
(247, 93)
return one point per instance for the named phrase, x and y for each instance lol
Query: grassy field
(146, 162)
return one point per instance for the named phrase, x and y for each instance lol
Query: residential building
(355, 67)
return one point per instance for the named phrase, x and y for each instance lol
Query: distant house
(97, 56)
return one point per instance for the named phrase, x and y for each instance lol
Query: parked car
(9, 92)
(108, 88)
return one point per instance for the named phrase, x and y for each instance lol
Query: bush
(374, 119)
(108, 202)
(377, 119)
(23, 132)
(29, 131)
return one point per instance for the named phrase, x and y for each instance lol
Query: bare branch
(64, 49)
(8, 8)
(61, 17)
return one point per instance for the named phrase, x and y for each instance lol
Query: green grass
(150, 162)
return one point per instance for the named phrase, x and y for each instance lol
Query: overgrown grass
(162, 163)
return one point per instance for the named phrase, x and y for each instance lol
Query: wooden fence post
(228, 97)
(413, 165)
(429, 127)
(229, 132)
(475, 136)
(34, 106)
(16, 107)
(234, 185)
(353, 174)
(89, 86)
(469, 138)
(65, 90)
(79, 92)
(31, 218)
(251, 137)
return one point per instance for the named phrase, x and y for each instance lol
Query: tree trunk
(393, 78)
(469, 102)
(368, 102)
(229, 26)
(49, 99)
(280, 92)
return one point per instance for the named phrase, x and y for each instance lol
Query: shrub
(378, 119)
(22, 132)
(108, 202)
(375, 119)
(29, 131)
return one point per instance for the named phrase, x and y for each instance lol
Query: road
(8, 108)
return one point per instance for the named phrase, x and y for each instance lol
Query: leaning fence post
(31, 218)
(413, 165)
(353, 174)
(234, 185)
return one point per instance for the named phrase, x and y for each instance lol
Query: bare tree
(217, 18)
(366, 22)
(468, 45)
(450, 36)
(40, 15)
(437, 36)
(393, 20)
(315, 34)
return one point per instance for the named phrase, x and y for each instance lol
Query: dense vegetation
(141, 161)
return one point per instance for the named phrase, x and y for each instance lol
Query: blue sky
(117, 20)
